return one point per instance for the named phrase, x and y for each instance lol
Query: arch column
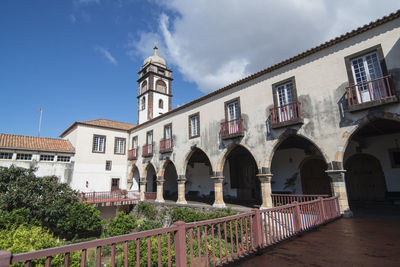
(160, 189)
(338, 187)
(142, 188)
(218, 191)
(181, 189)
(265, 181)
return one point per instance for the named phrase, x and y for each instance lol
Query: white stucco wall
(90, 166)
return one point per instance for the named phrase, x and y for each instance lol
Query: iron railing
(284, 199)
(166, 145)
(285, 113)
(109, 196)
(211, 242)
(147, 150)
(369, 91)
(232, 128)
(132, 154)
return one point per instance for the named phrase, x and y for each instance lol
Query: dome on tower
(155, 59)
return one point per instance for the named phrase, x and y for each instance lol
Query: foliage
(30, 238)
(80, 220)
(44, 198)
(147, 209)
(143, 245)
(122, 224)
(14, 218)
(190, 215)
(146, 225)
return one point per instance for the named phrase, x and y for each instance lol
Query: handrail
(285, 113)
(147, 150)
(232, 128)
(211, 242)
(369, 91)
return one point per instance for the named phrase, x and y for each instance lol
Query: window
(286, 107)
(24, 156)
(367, 76)
(168, 131)
(232, 110)
(160, 104)
(394, 155)
(99, 143)
(143, 87)
(161, 86)
(108, 165)
(46, 157)
(5, 155)
(149, 138)
(194, 125)
(135, 142)
(119, 146)
(63, 158)
(143, 104)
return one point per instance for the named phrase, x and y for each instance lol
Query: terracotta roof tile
(110, 124)
(34, 143)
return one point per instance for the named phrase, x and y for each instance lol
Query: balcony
(166, 145)
(231, 129)
(371, 93)
(286, 115)
(132, 154)
(147, 150)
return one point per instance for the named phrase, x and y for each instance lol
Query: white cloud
(106, 54)
(86, 2)
(214, 43)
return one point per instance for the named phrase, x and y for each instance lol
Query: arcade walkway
(345, 242)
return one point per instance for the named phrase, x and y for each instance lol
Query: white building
(326, 121)
(50, 156)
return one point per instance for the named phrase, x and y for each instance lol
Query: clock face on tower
(154, 83)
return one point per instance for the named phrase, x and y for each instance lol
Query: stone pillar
(338, 187)
(142, 188)
(265, 180)
(218, 191)
(160, 190)
(181, 190)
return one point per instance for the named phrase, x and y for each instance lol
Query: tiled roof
(34, 143)
(103, 123)
(110, 124)
(281, 64)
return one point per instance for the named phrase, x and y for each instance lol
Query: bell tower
(154, 84)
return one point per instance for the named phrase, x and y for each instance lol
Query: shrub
(30, 238)
(15, 218)
(146, 225)
(186, 214)
(80, 220)
(122, 224)
(148, 210)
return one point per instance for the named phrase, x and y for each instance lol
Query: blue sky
(78, 59)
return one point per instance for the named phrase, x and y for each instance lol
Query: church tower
(154, 83)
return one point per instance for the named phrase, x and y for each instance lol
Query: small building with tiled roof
(101, 154)
(50, 156)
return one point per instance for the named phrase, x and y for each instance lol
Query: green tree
(122, 224)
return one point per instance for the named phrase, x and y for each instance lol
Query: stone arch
(225, 153)
(348, 136)
(287, 134)
(131, 176)
(150, 177)
(168, 173)
(143, 87)
(145, 169)
(189, 155)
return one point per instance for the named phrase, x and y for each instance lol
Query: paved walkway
(345, 242)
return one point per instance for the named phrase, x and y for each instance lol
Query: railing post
(297, 217)
(323, 212)
(5, 258)
(257, 229)
(180, 244)
(94, 194)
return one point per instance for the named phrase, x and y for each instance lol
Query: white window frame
(119, 145)
(99, 144)
(194, 124)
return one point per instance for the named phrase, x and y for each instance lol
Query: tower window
(161, 86)
(143, 87)
(143, 103)
(160, 103)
